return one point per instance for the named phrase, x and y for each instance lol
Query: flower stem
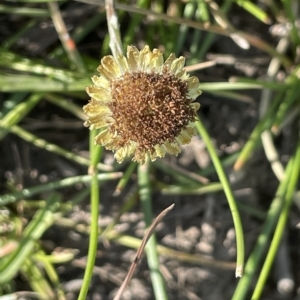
(230, 198)
(95, 195)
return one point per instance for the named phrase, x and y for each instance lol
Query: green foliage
(183, 27)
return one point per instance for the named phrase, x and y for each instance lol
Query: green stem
(281, 225)
(125, 178)
(229, 195)
(42, 220)
(14, 116)
(95, 197)
(151, 248)
(29, 192)
(43, 144)
(254, 259)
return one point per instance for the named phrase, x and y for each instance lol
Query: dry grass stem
(141, 250)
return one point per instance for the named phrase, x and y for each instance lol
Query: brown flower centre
(149, 108)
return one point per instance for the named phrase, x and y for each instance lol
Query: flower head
(144, 105)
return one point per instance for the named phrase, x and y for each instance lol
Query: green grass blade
(151, 252)
(188, 13)
(95, 203)
(14, 38)
(291, 97)
(41, 221)
(24, 11)
(16, 62)
(11, 103)
(36, 279)
(292, 181)
(125, 178)
(29, 192)
(254, 10)
(256, 85)
(18, 113)
(229, 195)
(186, 190)
(254, 139)
(28, 83)
(47, 261)
(198, 259)
(67, 105)
(263, 239)
(134, 22)
(290, 7)
(43, 144)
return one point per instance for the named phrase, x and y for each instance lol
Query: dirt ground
(198, 224)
